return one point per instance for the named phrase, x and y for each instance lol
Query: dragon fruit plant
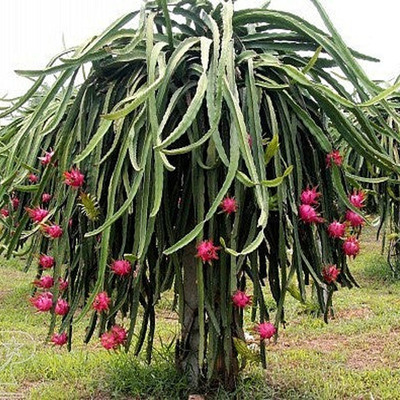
(198, 154)
(381, 185)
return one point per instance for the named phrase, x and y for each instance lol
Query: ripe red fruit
(351, 246)
(37, 214)
(42, 302)
(354, 219)
(53, 231)
(330, 273)
(207, 251)
(45, 261)
(45, 282)
(15, 202)
(101, 302)
(121, 267)
(266, 330)
(334, 157)
(336, 229)
(108, 341)
(309, 215)
(357, 198)
(229, 205)
(114, 338)
(74, 178)
(62, 307)
(241, 299)
(59, 339)
(46, 159)
(62, 284)
(119, 333)
(4, 212)
(33, 178)
(46, 197)
(309, 196)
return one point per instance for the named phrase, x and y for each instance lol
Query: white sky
(32, 30)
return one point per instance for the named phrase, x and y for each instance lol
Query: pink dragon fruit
(309, 215)
(357, 198)
(42, 302)
(354, 219)
(241, 299)
(121, 267)
(53, 231)
(59, 339)
(46, 159)
(334, 157)
(45, 282)
(206, 251)
(62, 307)
(309, 196)
(266, 330)
(101, 302)
(336, 229)
(351, 246)
(330, 273)
(229, 205)
(37, 214)
(74, 178)
(46, 261)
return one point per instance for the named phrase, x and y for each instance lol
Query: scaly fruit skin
(46, 262)
(351, 246)
(309, 215)
(241, 299)
(119, 333)
(354, 219)
(112, 339)
(266, 330)
(46, 197)
(32, 178)
(62, 284)
(74, 178)
(357, 198)
(330, 273)
(108, 341)
(59, 339)
(121, 267)
(46, 159)
(310, 196)
(334, 158)
(336, 230)
(37, 214)
(207, 252)
(15, 202)
(45, 282)
(42, 302)
(229, 205)
(101, 302)
(62, 307)
(53, 231)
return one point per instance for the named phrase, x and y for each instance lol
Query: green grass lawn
(355, 356)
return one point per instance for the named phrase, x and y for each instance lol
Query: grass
(355, 356)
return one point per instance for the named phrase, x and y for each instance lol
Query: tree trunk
(187, 349)
(226, 366)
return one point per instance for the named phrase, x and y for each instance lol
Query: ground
(355, 356)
